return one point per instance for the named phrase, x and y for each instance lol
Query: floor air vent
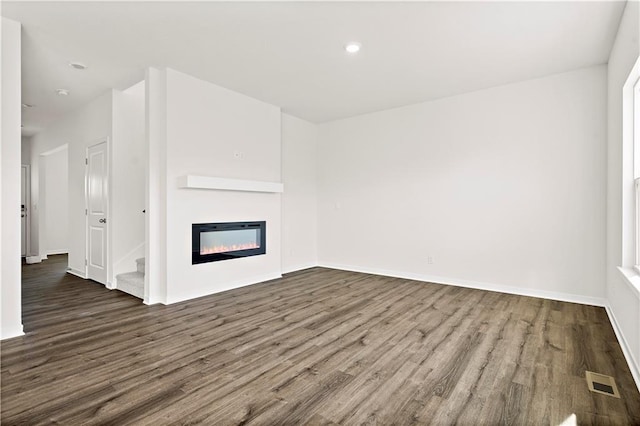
(600, 383)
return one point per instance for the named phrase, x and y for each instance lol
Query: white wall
(205, 126)
(79, 129)
(299, 201)
(128, 178)
(10, 152)
(155, 288)
(502, 188)
(56, 192)
(623, 297)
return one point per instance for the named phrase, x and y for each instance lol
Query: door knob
(102, 220)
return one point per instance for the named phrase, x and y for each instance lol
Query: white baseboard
(33, 259)
(57, 251)
(148, 302)
(543, 294)
(17, 332)
(633, 364)
(299, 267)
(77, 273)
(226, 287)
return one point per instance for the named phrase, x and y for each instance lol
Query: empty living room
(320, 212)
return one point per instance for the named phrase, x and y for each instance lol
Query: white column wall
(10, 152)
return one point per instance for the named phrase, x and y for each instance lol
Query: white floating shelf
(207, 182)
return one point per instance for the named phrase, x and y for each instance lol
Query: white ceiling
(291, 54)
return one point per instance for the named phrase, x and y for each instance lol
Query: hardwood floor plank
(317, 347)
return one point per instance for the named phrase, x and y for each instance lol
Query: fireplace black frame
(198, 228)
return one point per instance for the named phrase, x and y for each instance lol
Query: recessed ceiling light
(62, 92)
(27, 106)
(77, 65)
(352, 47)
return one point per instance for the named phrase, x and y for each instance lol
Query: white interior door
(24, 203)
(97, 208)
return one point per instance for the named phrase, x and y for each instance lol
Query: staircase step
(131, 283)
(140, 265)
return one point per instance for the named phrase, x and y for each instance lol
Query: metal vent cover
(599, 383)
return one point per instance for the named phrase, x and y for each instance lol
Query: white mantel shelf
(225, 184)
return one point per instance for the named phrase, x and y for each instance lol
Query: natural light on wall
(636, 167)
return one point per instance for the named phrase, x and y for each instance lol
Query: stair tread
(131, 278)
(132, 274)
(131, 283)
(140, 265)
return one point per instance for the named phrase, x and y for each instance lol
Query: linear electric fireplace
(211, 242)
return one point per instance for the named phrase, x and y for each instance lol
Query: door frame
(27, 185)
(107, 143)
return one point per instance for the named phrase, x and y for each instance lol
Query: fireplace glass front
(212, 242)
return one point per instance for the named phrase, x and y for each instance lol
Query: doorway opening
(25, 210)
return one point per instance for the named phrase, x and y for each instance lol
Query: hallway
(53, 301)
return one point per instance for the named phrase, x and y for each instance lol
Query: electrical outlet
(238, 155)
(430, 260)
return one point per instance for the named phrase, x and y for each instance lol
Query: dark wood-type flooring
(319, 346)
